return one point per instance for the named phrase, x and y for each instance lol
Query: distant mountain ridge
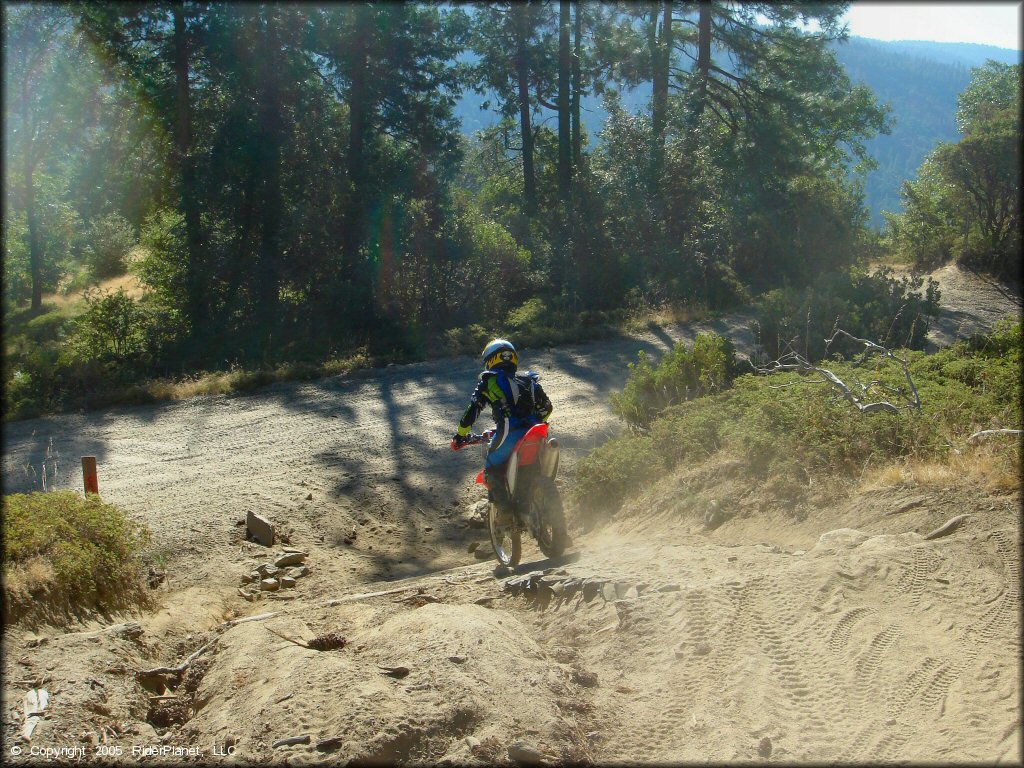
(967, 54)
(920, 80)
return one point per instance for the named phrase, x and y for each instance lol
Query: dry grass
(240, 380)
(127, 282)
(994, 466)
(204, 384)
(668, 314)
(32, 578)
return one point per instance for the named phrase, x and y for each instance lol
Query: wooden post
(89, 475)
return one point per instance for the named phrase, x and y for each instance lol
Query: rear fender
(526, 452)
(530, 444)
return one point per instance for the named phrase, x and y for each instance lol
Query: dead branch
(986, 433)
(946, 528)
(364, 596)
(859, 392)
(872, 348)
(257, 617)
(180, 669)
(285, 637)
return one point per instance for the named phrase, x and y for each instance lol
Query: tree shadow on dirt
(45, 454)
(393, 460)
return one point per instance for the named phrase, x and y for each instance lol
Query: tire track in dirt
(1003, 615)
(804, 685)
(840, 634)
(915, 581)
(861, 652)
(702, 628)
(865, 693)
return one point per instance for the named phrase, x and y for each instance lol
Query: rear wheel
(505, 537)
(546, 507)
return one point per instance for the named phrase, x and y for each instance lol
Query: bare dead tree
(865, 397)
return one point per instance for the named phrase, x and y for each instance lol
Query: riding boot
(498, 494)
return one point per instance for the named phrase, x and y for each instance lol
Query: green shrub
(609, 473)
(107, 243)
(21, 394)
(466, 341)
(681, 374)
(878, 306)
(788, 424)
(163, 259)
(65, 555)
(112, 326)
(32, 374)
(84, 353)
(531, 325)
(26, 331)
(493, 276)
(530, 315)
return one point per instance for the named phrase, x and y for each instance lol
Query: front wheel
(546, 509)
(505, 536)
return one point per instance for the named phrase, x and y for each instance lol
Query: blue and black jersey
(517, 402)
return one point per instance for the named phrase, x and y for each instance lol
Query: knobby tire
(553, 537)
(509, 553)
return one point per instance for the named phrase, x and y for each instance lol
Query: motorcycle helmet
(500, 352)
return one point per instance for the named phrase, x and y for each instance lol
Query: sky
(996, 24)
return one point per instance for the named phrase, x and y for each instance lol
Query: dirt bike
(536, 504)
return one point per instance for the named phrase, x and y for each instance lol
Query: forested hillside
(292, 188)
(922, 93)
(919, 79)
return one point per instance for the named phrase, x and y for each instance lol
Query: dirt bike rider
(517, 403)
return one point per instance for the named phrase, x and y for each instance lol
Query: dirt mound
(409, 686)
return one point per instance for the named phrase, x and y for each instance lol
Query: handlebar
(473, 440)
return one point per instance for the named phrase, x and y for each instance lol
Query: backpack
(523, 400)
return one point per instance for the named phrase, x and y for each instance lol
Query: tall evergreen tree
(512, 41)
(42, 82)
(154, 47)
(390, 63)
(564, 105)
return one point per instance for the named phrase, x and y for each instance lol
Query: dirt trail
(847, 637)
(371, 450)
